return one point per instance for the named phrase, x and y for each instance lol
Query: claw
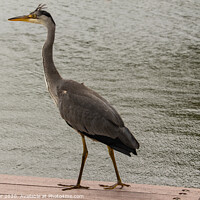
(70, 187)
(107, 187)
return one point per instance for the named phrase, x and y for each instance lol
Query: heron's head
(38, 16)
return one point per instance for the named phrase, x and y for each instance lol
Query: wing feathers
(90, 114)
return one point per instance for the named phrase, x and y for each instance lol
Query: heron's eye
(34, 16)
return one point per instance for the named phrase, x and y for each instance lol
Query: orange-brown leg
(119, 182)
(84, 157)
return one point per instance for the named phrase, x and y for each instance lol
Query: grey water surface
(143, 56)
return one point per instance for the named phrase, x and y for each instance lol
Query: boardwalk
(24, 187)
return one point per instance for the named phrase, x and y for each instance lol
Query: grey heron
(82, 108)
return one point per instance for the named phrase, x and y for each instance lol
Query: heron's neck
(51, 74)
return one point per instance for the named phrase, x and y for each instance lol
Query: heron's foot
(70, 187)
(107, 187)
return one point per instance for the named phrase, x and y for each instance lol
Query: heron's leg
(84, 157)
(119, 182)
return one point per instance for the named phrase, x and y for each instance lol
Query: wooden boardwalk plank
(24, 187)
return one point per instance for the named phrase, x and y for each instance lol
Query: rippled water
(142, 56)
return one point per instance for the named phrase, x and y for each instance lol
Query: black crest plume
(41, 7)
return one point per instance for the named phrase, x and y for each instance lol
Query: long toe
(123, 184)
(75, 187)
(71, 187)
(107, 187)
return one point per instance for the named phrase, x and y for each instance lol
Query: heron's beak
(26, 18)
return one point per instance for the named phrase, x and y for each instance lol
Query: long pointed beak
(26, 18)
(20, 18)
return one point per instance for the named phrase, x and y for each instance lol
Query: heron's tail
(126, 142)
(128, 139)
